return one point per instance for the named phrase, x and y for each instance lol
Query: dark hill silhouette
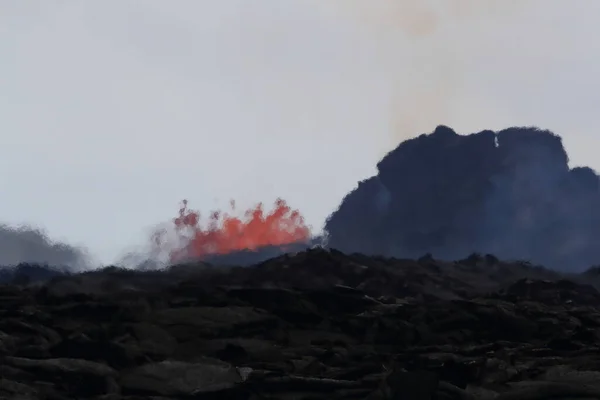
(510, 193)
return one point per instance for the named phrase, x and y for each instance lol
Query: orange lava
(226, 233)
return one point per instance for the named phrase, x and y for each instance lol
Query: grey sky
(112, 111)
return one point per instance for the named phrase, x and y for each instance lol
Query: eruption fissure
(224, 233)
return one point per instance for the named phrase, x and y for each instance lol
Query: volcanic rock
(318, 324)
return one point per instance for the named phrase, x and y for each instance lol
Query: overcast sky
(112, 111)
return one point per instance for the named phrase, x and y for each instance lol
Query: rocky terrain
(319, 324)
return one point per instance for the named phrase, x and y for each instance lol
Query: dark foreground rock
(317, 325)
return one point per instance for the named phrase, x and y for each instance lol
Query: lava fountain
(225, 233)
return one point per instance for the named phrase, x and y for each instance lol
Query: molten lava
(226, 233)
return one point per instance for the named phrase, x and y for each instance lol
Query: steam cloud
(509, 193)
(30, 245)
(420, 40)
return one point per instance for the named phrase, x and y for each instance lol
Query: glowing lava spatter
(226, 233)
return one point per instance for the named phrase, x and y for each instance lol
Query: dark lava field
(319, 324)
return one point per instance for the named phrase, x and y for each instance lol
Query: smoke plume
(27, 244)
(426, 45)
(509, 193)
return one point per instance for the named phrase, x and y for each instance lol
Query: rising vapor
(25, 244)
(424, 42)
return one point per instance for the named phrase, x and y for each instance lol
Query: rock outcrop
(315, 325)
(509, 193)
